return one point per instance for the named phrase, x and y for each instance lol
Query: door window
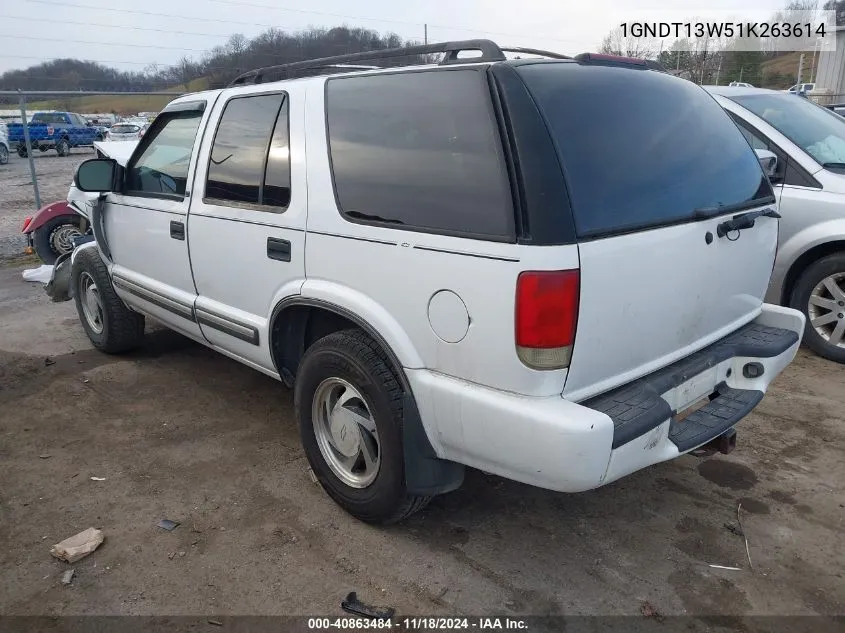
(161, 169)
(787, 172)
(249, 163)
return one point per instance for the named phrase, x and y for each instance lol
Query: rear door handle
(278, 249)
(177, 230)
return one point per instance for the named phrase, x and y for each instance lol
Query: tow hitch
(724, 443)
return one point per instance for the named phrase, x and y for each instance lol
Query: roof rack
(490, 52)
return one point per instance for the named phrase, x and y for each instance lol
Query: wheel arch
(298, 321)
(806, 259)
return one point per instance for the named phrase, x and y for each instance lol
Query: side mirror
(768, 161)
(96, 175)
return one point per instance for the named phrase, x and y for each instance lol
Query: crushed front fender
(58, 288)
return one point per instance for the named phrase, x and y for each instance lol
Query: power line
(190, 18)
(388, 21)
(268, 7)
(119, 26)
(64, 39)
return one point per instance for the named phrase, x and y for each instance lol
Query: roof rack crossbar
(490, 52)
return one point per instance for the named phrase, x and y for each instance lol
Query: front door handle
(177, 230)
(278, 249)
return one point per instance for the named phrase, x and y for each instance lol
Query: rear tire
(63, 147)
(4, 155)
(110, 325)
(54, 237)
(353, 365)
(828, 307)
(22, 150)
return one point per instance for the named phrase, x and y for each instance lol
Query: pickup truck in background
(54, 130)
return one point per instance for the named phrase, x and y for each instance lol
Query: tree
(615, 43)
(838, 8)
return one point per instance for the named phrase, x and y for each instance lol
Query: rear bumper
(570, 447)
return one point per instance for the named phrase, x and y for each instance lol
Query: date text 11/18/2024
(417, 624)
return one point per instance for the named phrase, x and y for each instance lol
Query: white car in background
(4, 144)
(127, 131)
(799, 88)
(808, 178)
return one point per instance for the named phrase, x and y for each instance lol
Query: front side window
(419, 150)
(239, 170)
(816, 130)
(162, 167)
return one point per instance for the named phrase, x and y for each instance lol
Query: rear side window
(642, 149)
(250, 128)
(419, 150)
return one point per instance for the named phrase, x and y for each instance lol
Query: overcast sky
(130, 34)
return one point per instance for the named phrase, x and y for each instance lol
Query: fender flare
(425, 473)
(47, 213)
(813, 239)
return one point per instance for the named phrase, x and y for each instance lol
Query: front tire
(4, 155)
(110, 325)
(820, 294)
(350, 406)
(55, 237)
(22, 150)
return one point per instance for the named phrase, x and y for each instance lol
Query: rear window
(49, 117)
(641, 148)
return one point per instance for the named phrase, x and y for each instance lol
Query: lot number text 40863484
(419, 623)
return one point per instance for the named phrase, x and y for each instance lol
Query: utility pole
(741, 68)
(22, 101)
(678, 60)
(800, 71)
(426, 33)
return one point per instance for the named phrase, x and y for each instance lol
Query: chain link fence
(35, 176)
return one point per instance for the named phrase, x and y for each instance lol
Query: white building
(830, 75)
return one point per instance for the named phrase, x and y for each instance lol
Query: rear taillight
(26, 222)
(546, 316)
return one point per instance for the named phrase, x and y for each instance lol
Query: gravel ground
(181, 432)
(17, 199)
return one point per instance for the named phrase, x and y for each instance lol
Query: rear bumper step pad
(637, 408)
(710, 421)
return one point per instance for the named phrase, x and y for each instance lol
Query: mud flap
(58, 288)
(425, 473)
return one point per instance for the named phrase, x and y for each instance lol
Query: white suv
(486, 262)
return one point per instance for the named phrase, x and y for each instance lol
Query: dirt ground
(182, 433)
(17, 198)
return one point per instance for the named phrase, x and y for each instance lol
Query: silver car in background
(4, 143)
(809, 182)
